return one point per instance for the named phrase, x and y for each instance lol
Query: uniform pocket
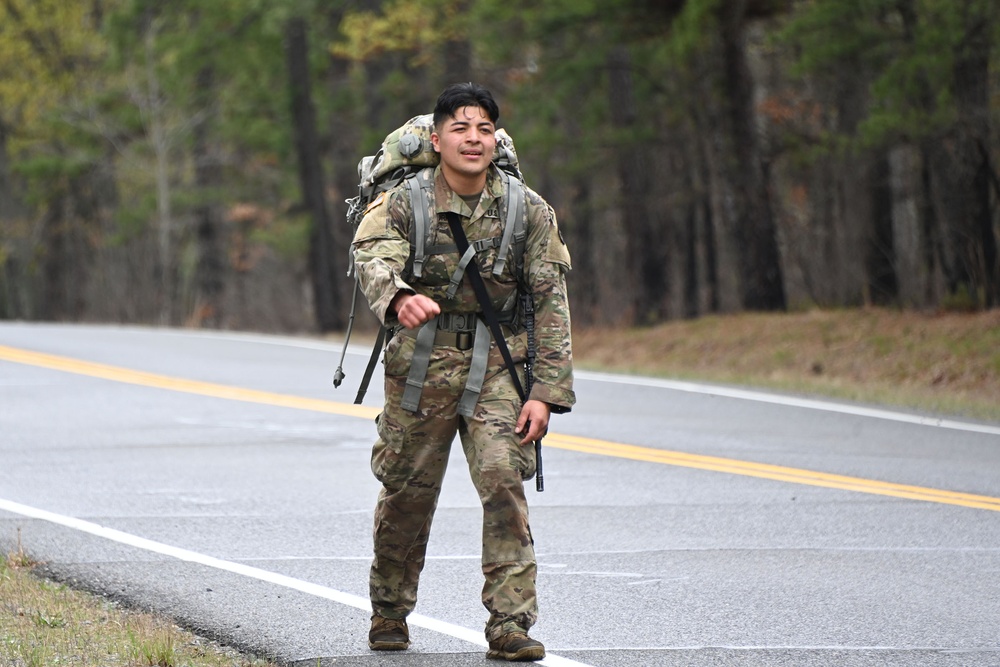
(386, 452)
(398, 353)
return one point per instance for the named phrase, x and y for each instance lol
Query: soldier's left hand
(536, 415)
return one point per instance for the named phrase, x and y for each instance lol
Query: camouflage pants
(410, 458)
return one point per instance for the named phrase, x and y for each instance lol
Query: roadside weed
(47, 624)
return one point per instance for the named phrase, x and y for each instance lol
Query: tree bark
(644, 256)
(882, 287)
(153, 105)
(210, 267)
(973, 236)
(457, 52)
(12, 283)
(755, 232)
(905, 169)
(8, 214)
(932, 255)
(311, 176)
(344, 123)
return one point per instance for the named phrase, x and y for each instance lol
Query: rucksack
(404, 154)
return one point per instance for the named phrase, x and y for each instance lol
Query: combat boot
(515, 647)
(388, 634)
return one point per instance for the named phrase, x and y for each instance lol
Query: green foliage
(132, 218)
(154, 649)
(902, 53)
(961, 301)
(46, 620)
(47, 167)
(830, 35)
(288, 236)
(47, 48)
(401, 26)
(693, 30)
(114, 89)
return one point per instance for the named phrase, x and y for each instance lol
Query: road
(219, 478)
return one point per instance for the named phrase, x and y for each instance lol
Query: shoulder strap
(420, 187)
(419, 204)
(514, 227)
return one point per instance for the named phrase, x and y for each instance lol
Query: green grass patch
(46, 624)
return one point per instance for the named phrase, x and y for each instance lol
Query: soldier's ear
(434, 142)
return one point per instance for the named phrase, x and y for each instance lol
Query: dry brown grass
(947, 363)
(44, 624)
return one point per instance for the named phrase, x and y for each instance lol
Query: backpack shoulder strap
(515, 232)
(420, 186)
(514, 223)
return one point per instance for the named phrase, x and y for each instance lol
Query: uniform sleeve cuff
(559, 400)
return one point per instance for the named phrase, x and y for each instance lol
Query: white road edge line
(791, 401)
(419, 620)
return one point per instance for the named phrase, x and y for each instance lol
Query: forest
(186, 163)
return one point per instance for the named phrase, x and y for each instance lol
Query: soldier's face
(465, 142)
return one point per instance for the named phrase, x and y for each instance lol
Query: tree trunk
(881, 287)
(580, 238)
(702, 175)
(54, 299)
(930, 259)
(853, 228)
(311, 176)
(973, 236)
(755, 232)
(457, 52)
(153, 107)
(905, 169)
(211, 266)
(572, 198)
(345, 123)
(644, 256)
(11, 211)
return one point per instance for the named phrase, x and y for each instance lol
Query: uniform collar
(445, 199)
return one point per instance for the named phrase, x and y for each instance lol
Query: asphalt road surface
(220, 479)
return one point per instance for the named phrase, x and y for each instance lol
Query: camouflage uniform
(411, 453)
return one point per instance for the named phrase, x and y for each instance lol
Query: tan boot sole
(527, 654)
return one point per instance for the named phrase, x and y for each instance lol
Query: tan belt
(461, 340)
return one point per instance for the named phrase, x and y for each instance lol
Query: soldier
(495, 429)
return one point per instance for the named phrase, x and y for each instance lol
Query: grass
(45, 624)
(943, 363)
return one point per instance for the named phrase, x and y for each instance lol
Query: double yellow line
(568, 442)
(767, 471)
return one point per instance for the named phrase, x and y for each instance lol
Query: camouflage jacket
(382, 259)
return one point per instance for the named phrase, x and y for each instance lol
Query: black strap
(490, 315)
(372, 360)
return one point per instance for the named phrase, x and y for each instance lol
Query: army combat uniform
(411, 452)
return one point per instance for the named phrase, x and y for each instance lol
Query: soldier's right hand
(414, 310)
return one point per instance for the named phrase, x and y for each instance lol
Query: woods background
(186, 163)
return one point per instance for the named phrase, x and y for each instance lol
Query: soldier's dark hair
(459, 95)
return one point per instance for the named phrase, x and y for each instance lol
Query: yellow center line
(768, 471)
(129, 376)
(567, 442)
